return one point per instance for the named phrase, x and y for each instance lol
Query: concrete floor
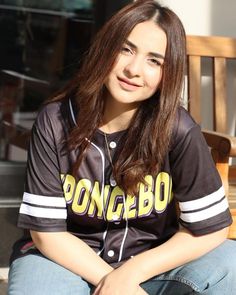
(3, 287)
(3, 280)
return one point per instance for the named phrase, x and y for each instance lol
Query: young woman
(109, 158)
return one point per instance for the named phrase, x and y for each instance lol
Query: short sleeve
(43, 207)
(197, 185)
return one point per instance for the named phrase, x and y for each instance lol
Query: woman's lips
(127, 84)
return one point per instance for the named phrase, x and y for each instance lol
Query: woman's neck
(117, 116)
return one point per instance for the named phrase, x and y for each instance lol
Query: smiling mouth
(127, 84)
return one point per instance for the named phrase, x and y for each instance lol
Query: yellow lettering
(146, 196)
(114, 208)
(81, 198)
(162, 191)
(97, 201)
(130, 202)
(68, 186)
(85, 198)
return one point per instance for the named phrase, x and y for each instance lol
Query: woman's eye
(126, 50)
(155, 61)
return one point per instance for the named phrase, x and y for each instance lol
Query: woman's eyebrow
(154, 54)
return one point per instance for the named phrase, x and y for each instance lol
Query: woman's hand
(119, 282)
(179, 249)
(55, 245)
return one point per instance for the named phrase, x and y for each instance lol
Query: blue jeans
(212, 274)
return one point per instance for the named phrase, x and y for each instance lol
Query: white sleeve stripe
(44, 200)
(43, 212)
(204, 201)
(206, 213)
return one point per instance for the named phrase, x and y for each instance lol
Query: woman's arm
(72, 253)
(183, 247)
(75, 255)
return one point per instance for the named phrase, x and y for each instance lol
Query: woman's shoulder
(53, 113)
(184, 125)
(48, 111)
(54, 120)
(184, 120)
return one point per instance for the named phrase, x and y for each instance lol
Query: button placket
(110, 253)
(112, 181)
(115, 217)
(112, 144)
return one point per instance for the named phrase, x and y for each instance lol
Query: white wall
(206, 17)
(211, 17)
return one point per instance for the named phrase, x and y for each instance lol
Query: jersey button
(115, 217)
(112, 145)
(112, 181)
(110, 253)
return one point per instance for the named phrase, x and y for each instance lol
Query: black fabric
(87, 204)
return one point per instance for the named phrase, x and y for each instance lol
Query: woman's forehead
(148, 37)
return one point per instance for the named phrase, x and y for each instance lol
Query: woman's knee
(35, 274)
(217, 269)
(215, 272)
(224, 257)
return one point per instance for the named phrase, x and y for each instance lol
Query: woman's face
(138, 68)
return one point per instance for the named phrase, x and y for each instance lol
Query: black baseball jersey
(91, 206)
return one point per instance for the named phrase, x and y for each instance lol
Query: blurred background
(41, 45)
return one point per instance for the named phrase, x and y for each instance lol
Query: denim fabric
(37, 275)
(212, 274)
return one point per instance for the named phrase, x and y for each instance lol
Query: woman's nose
(134, 67)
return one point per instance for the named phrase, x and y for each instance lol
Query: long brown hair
(148, 137)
